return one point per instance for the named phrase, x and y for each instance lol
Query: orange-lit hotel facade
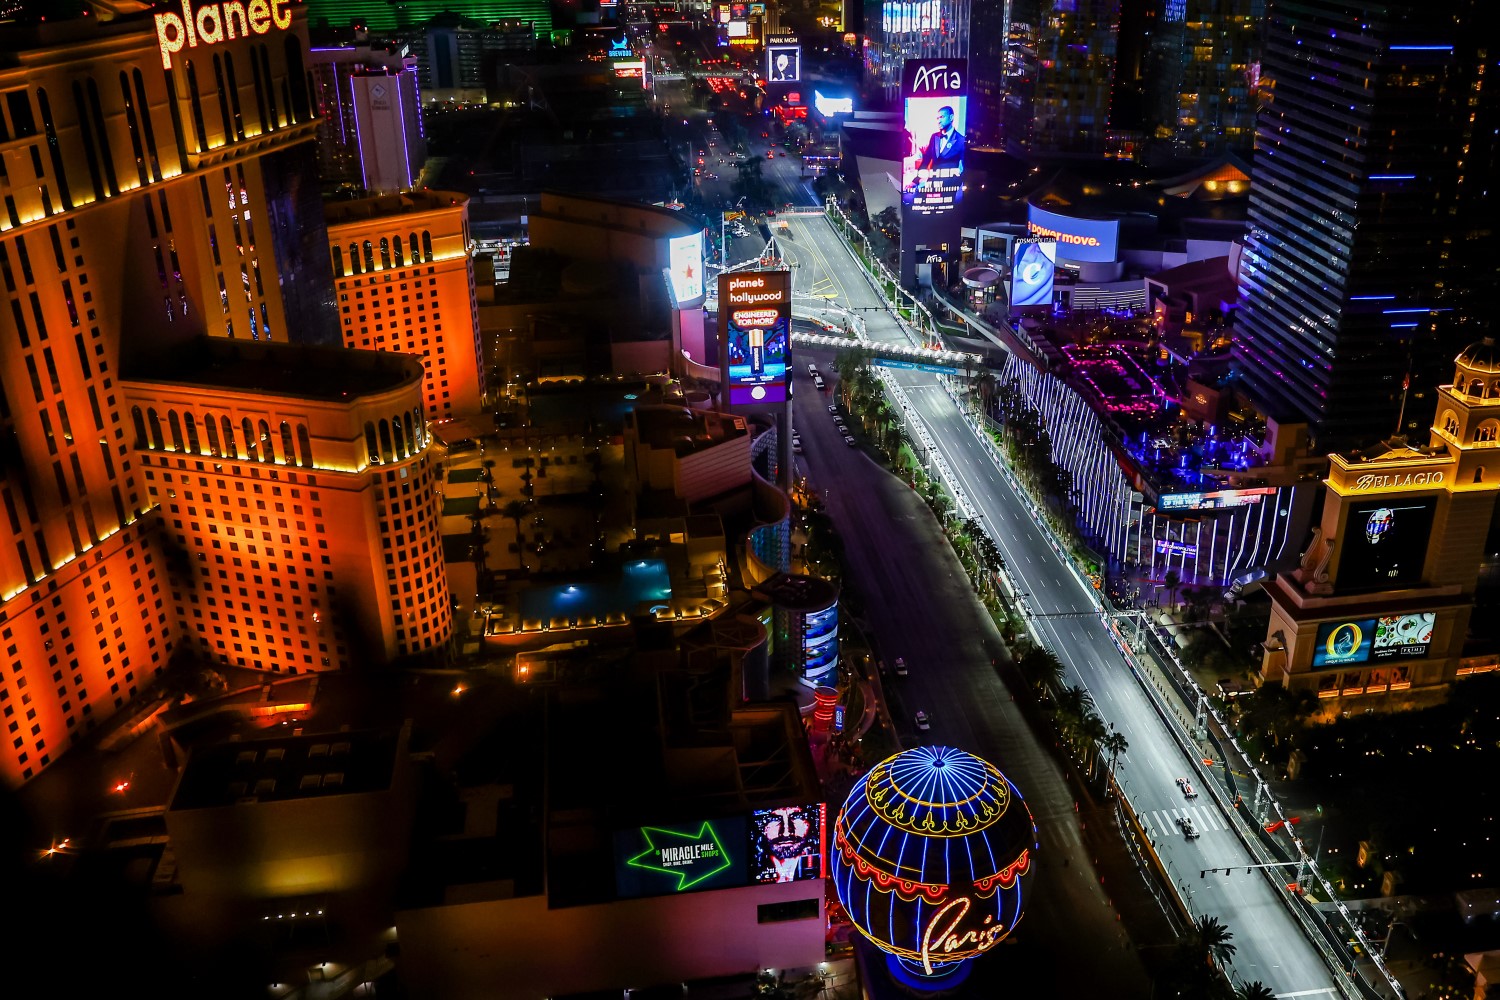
(404, 271)
(140, 210)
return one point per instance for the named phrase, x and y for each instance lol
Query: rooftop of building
(274, 368)
(684, 430)
(387, 15)
(387, 206)
(799, 593)
(287, 767)
(610, 213)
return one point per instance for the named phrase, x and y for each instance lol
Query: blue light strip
(1421, 48)
(1371, 298)
(1400, 326)
(1393, 177)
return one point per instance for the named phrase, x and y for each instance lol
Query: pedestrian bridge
(886, 349)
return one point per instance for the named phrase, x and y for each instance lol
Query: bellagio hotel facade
(188, 457)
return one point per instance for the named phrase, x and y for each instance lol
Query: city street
(1271, 946)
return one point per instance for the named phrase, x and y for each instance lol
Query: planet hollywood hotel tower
(164, 272)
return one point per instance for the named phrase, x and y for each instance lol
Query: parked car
(923, 723)
(849, 440)
(900, 667)
(833, 407)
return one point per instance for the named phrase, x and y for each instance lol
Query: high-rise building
(370, 134)
(1204, 70)
(1355, 210)
(298, 499)
(917, 29)
(990, 29)
(155, 188)
(404, 269)
(1075, 72)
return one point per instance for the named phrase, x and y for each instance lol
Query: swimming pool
(641, 585)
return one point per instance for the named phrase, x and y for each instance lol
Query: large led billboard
(683, 857)
(755, 325)
(789, 844)
(1339, 643)
(936, 103)
(783, 59)
(1385, 544)
(1032, 273)
(910, 18)
(1403, 636)
(1089, 240)
(685, 267)
(1215, 499)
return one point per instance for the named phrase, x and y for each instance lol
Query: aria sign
(212, 23)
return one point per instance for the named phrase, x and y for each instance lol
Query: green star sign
(692, 857)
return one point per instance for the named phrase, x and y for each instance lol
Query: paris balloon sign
(211, 23)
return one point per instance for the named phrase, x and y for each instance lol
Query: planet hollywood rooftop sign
(213, 23)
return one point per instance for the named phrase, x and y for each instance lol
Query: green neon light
(684, 881)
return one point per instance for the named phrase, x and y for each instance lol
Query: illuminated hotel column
(404, 272)
(138, 206)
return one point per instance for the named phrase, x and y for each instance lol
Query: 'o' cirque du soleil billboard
(755, 326)
(935, 95)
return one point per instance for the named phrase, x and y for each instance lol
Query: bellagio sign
(212, 23)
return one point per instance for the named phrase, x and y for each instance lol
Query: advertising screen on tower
(685, 267)
(682, 857)
(820, 641)
(1385, 544)
(1032, 274)
(935, 99)
(783, 59)
(1403, 636)
(1339, 643)
(789, 844)
(1088, 240)
(755, 326)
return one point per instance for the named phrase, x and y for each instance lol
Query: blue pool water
(641, 585)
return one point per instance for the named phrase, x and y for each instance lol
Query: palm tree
(1171, 582)
(1042, 666)
(516, 510)
(1114, 744)
(1254, 991)
(1089, 734)
(1214, 939)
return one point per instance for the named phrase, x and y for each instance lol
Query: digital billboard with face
(1385, 544)
(1088, 240)
(755, 324)
(789, 844)
(672, 858)
(935, 95)
(1344, 642)
(685, 268)
(783, 60)
(1032, 274)
(1403, 636)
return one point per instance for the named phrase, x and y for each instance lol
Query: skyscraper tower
(1346, 277)
(918, 29)
(1201, 86)
(1075, 76)
(169, 365)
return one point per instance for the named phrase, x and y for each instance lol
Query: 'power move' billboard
(935, 93)
(755, 343)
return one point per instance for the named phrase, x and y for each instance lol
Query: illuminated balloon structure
(929, 854)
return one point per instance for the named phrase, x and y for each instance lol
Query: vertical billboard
(685, 268)
(1032, 273)
(783, 59)
(936, 113)
(755, 326)
(789, 844)
(820, 642)
(1385, 543)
